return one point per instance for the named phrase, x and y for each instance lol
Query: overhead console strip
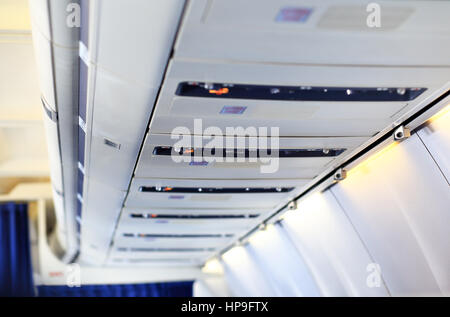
(296, 93)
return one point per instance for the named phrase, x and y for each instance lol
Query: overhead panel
(176, 220)
(164, 156)
(312, 79)
(210, 193)
(300, 100)
(411, 33)
(122, 68)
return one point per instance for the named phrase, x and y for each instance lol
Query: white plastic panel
(286, 270)
(126, 212)
(294, 118)
(115, 131)
(151, 165)
(244, 277)
(436, 138)
(145, 38)
(54, 154)
(155, 224)
(331, 248)
(132, 254)
(126, 63)
(411, 32)
(153, 262)
(58, 205)
(141, 242)
(122, 79)
(399, 202)
(65, 71)
(137, 198)
(49, 17)
(130, 76)
(101, 209)
(56, 48)
(207, 227)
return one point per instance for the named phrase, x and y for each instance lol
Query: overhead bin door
(328, 32)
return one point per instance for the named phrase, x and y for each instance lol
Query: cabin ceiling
(328, 83)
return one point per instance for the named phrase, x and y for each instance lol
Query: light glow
(442, 113)
(364, 164)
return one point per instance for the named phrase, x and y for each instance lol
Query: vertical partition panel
(399, 202)
(331, 248)
(281, 264)
(243, 274)
(436, 138)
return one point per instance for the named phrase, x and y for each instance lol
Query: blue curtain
(16, 274)
(173, 289)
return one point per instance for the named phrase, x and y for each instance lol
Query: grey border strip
(53, 115)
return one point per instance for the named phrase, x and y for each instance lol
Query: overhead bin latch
(340, 175)
(401, 133)
(292, 205)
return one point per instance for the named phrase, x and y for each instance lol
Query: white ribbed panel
(399, 203)
(388, 219)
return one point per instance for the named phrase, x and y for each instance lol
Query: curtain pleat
(16, 275)
(171, 289)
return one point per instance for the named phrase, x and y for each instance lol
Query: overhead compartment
(264, 158)
(328, 32)
(123, 86)
(301, 100)
(279, 65)
(190, 193)
(115, 131)
(119, 85)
